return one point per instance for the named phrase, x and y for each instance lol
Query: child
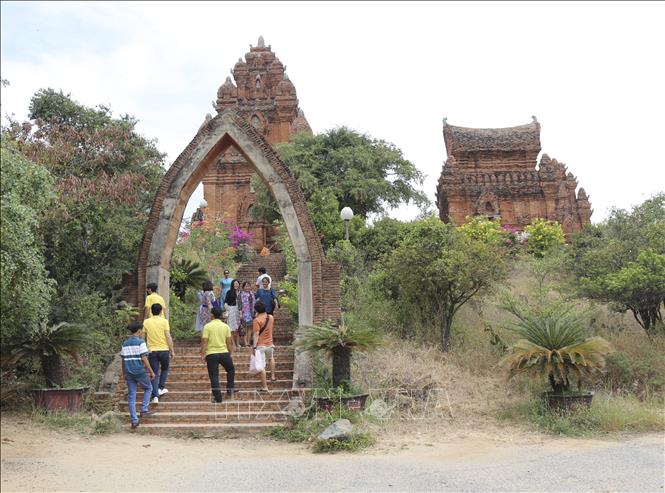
(136, 371)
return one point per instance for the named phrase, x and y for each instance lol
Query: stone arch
(315, 276)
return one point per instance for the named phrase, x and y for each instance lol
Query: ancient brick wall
(493, 172)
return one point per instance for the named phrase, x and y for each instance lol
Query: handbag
(256, 363)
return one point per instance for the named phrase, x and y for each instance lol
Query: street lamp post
(346, 215)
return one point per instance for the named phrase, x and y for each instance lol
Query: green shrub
(485, 230)
(288, 297)
(543, 236)
(182, 315)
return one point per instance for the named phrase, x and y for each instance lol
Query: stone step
(229, 405)
(221, 414)
(205, 384)
(240, 376)
(199, 366)
(194, 349)
(174, 396)
(202, 376)
(215, 429)
(194, 356)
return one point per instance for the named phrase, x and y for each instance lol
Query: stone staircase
(187, 407)
(275, 264)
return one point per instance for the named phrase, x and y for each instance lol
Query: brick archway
(316, 277)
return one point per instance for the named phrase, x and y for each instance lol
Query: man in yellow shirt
(152, 298)
(160, 345)
(216, 344)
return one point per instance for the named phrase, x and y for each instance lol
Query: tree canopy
(343, 168)
(435, 270)
(27, 193)
(622, 261)
(105, 176)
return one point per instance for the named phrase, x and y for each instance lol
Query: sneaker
(147, 413)
(135, 425)
(155, 400)
(163, 391)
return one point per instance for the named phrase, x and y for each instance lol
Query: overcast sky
(593, 73)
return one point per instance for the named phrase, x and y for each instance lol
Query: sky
(591, 72)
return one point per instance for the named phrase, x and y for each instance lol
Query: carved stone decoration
(487, 205)
(265, 96)
(492, 171)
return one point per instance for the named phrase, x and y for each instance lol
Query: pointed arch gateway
(316, 277)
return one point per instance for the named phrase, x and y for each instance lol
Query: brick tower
(492, 172)
(264, 95)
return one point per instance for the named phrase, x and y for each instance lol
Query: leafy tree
(381, 238)
(435, 270)
(543, 236)
(622, 261)
(364, 173)
(342, 168)
(26, 194)
(105, 176)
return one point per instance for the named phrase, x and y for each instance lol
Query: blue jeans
(132, 382)
(159, 359)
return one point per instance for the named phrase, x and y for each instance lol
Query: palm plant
(553, 343)
(49, 343)
(186, 273)
(339, 341)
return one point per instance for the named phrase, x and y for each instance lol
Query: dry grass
(474, 393)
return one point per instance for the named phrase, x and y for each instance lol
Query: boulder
(339, 430)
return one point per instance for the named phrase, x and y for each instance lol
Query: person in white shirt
(263, 273)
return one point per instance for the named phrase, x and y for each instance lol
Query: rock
(339, 430)
(378, 408)
(295, 407)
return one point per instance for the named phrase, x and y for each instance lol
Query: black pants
(213, 361)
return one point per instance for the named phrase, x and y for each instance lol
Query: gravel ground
(37, 459)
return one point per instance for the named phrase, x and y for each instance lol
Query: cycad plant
(186, 273)
(554, 343)
(339, 341)
(49, 343)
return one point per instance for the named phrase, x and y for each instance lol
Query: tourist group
(241, 317)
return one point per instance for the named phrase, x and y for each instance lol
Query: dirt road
(38, 459)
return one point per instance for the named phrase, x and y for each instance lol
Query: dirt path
(35, 458)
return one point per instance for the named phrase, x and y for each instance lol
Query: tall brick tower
(263, 94)
(492, 172)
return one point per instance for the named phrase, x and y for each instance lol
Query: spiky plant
(49, 343)
(553, 343)
(186, 273)
(339, 341)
